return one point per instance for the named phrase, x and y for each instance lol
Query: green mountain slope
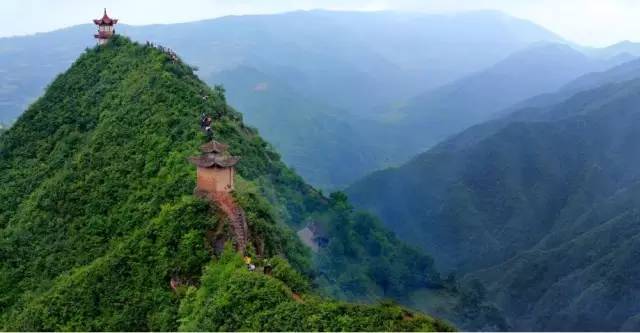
(97, 219)
(541, 209)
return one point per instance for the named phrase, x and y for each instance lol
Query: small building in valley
(215, 168)
(105, 28)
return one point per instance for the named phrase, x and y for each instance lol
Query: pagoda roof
(214, 154)
(214, 147)
(214, 160)
(105, 20)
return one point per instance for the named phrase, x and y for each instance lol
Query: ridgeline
(98, 220)
(540, 206)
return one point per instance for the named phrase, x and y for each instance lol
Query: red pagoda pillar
(105, 28)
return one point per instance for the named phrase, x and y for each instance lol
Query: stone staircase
(235, 215)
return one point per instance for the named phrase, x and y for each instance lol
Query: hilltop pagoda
(105, 28)
(215, 168)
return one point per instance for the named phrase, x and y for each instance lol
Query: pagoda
(215, 168)
(105, 28)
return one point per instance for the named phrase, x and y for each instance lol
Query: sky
(587, 22)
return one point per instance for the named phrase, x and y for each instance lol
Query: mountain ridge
(538, 205)
(435, 115)
(100, 230)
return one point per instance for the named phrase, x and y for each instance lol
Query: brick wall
(215, 179)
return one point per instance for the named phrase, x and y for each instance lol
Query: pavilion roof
(214, 160)
(214, 154)
(105, 20)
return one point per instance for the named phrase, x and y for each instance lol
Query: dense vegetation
(390, 268)
(97, 217)
(231, 298)
(540, 206)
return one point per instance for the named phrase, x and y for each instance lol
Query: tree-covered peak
(99, 229)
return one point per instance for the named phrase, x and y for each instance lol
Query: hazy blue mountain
(312, 137)
(437, 114)
(359, 59)
(616, 50)
(599, 88)
(28, 64)
(622, 72)
(538, 108)
(541, 207)
(332, 148)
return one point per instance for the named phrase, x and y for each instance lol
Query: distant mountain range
(621, 49)
(345, 55)
(373, 89)
(437, 114)
(341, 64)
(540, 206)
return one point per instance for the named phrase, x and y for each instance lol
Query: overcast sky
(588, 22)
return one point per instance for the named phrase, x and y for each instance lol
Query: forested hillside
(540, 206)
(97, 216)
